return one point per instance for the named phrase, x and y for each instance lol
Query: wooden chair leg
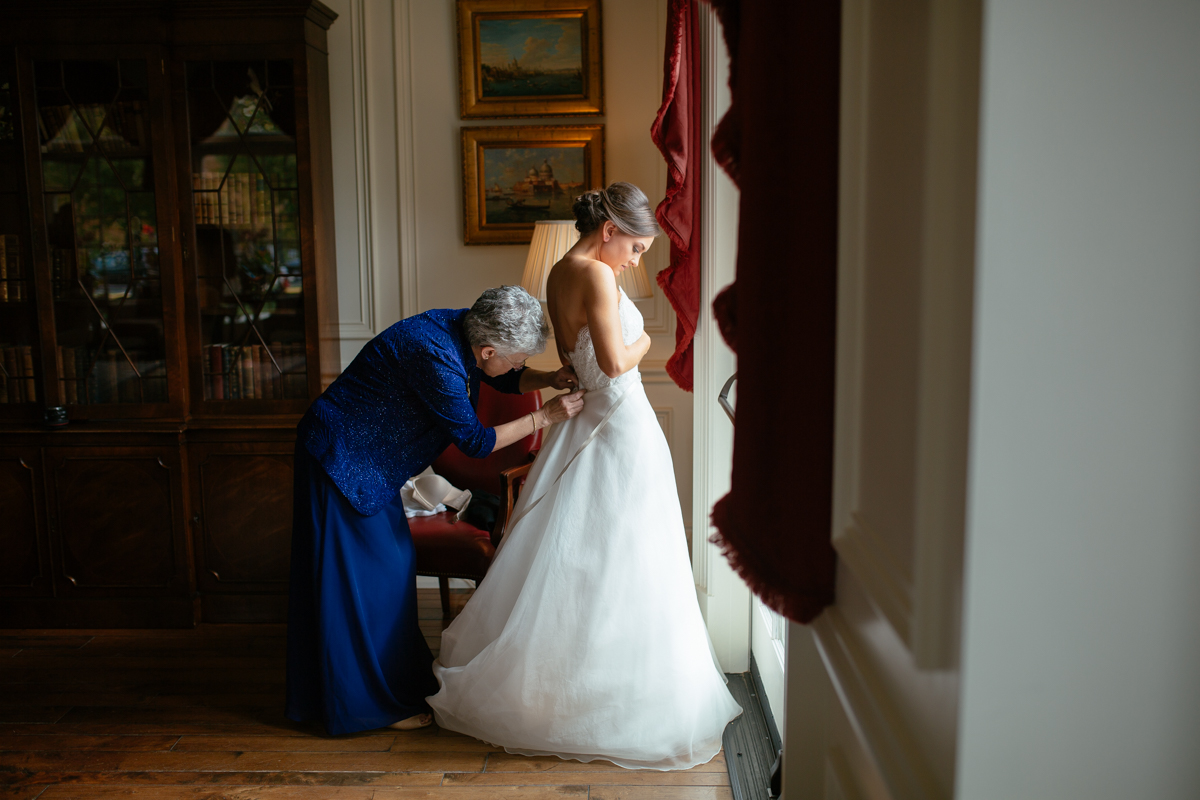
(444, 588)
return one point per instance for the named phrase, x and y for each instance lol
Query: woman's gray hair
(509, 319)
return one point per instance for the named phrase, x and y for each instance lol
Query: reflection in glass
(241, 118)
(19, 356)
(102, 225)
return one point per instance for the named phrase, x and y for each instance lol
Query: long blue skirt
(356, 657)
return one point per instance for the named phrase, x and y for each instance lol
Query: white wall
(398, 177)
(1082, 658)
(362, 107)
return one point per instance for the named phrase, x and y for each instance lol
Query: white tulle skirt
(585, 641)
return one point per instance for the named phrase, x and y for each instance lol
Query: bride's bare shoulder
(584, 273)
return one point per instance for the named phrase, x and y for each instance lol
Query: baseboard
(99, 612)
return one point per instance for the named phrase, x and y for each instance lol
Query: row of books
(248, 372)
(12, 274)
(243, 199)
(109, 377)
(17, 383)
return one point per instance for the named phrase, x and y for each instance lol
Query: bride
(586, 641)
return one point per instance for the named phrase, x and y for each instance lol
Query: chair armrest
(511, 480)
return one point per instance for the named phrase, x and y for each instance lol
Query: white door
(872, 685)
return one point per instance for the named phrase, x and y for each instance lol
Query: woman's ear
(487, 352)
(609, 230)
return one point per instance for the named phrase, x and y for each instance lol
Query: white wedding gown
(585, 640)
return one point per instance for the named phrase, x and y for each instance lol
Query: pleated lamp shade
(552, 239)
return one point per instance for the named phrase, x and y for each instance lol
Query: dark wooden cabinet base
(146, 524)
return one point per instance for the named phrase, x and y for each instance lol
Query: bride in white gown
(585, 640)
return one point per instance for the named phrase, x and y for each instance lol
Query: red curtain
(676, 131)
(779, 144)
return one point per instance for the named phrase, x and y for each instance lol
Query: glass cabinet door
(102, 230)
(20, 358)
(245, 201)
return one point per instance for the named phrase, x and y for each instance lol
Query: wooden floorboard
(197, 714)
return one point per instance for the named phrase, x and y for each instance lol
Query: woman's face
(493, 364)
(620, 250)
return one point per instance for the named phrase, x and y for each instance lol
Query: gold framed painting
(515, 176)
(530, 58)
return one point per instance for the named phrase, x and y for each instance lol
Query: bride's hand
(562, 407)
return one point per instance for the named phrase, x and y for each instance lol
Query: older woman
(356, 657)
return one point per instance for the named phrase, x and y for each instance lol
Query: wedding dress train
(585, 640)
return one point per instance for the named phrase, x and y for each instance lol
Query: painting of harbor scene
(526, 184)
(516, 175)
(531, 57)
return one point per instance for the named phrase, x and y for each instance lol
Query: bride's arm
(600, 299)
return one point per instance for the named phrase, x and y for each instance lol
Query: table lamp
(552, 239)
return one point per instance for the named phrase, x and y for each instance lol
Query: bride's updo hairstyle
(622, 204)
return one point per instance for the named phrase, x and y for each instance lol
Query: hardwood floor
(197, 714)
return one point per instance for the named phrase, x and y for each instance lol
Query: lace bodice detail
(583, 357)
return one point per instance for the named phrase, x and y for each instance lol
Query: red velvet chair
(448, 549)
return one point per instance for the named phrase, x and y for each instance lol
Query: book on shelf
(110, 377)
(12, 381)
(236, 198)
(262, 378)
(12, 278)
(246, 373)
(255, 372)
(276, 374)
(20, 384)
(68, 384)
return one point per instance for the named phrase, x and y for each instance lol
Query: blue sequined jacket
(407, 395)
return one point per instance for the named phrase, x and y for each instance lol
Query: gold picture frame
(530, 58)
(514, 176)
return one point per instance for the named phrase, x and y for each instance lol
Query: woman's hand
(562, 407)
(564, 379)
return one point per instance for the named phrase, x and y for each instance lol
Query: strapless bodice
(583, 357)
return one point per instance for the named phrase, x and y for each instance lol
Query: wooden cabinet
(166, 266)
(242, 518)
(25, 567)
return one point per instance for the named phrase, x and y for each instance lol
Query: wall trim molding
(363, 327)
(878, 724)
(666, 420)
(406, 222)
(882, 580)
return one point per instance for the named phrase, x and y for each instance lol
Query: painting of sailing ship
(531, 57)
(526, 184)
